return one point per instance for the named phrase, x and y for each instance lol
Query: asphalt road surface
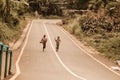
(69, 63)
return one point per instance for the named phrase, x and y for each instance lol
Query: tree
(7, 8)
(45, 7)
(77, 4)
(1, 8)
(81, 4)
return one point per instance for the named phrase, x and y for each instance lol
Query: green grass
(10, 34)
(110, 47)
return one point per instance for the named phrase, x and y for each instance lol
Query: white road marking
(77, 76)
(87, 52)
(26, 40)
(21, 52)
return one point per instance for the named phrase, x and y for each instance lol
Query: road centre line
(87, 52)
(20, 55)
(75, 75)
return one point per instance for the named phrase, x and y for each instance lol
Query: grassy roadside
(11, 34)
(105, 42)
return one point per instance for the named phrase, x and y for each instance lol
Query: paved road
(70, 63)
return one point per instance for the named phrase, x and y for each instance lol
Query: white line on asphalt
(77, 76)
(21, 52)
(87, 52)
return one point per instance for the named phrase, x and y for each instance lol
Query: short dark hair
(44, 36)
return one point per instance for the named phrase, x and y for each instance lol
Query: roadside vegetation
(99, 26)
(13, 18)
(14, 15)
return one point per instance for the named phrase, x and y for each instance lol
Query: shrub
(91, 26)
(4, 32)
(12, 21)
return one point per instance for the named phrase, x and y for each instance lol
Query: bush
(112, 48)
(91, 26)
(12, 21)
(113, 9)
(5, 33)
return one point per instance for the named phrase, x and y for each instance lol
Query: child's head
(44, 36)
